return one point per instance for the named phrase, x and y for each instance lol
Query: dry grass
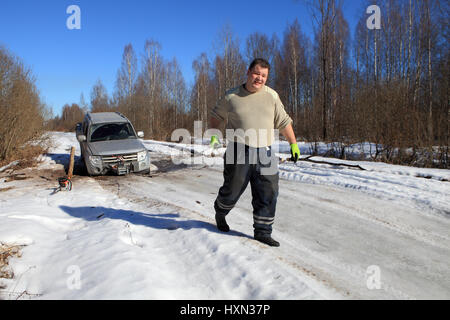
(6, 189)
(27, 157)
(6, 252)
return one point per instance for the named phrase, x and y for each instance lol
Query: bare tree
(127, 74)
(324, 17)
(99, 98)
(201, 98)
(177, 94)
(71, 115)
(292, 78)
(151, 79)
(126, 83)
(229, 65)
(21, 110)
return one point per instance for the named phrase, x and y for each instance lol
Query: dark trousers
(245, 164)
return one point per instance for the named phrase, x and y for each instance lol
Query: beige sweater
(251, 116)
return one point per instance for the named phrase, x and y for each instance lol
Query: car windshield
(112, 131)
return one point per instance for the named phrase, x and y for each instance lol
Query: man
(251, 108)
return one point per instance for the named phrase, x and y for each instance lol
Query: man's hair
(263, 63)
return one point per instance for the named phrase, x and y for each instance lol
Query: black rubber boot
(267, 239)
(222, 223)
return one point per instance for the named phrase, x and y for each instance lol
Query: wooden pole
(71, 163)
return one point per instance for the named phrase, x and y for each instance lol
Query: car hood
(115, 147)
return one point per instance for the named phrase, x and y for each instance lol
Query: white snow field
(345, 233)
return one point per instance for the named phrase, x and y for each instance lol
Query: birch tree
(229, 66)
(201, 101)
(126, 83)
(151, 79)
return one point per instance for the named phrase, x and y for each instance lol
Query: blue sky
(67, 62)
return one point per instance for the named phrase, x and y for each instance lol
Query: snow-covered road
(382, 233)
(330, 236)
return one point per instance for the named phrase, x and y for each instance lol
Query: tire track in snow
(326, 269)
(308, 271)
(378, 217)
(327, 207)
(384, 185)
(326, 286)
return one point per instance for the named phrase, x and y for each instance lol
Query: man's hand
(214, 142)
(288, 133)
(295, 152)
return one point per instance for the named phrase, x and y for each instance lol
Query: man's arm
(288, 133)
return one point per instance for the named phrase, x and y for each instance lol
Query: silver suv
(109, 143)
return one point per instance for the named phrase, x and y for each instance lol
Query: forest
(388, 87)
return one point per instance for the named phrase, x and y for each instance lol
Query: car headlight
(95, 160)
(142, 155)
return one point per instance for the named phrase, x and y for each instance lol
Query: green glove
(295, 152)
(214, 142)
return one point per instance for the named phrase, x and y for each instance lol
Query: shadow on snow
(161, 221)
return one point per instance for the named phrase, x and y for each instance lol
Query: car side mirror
(140, 134)
(81, 138)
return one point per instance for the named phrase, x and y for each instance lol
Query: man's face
(256, 78)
